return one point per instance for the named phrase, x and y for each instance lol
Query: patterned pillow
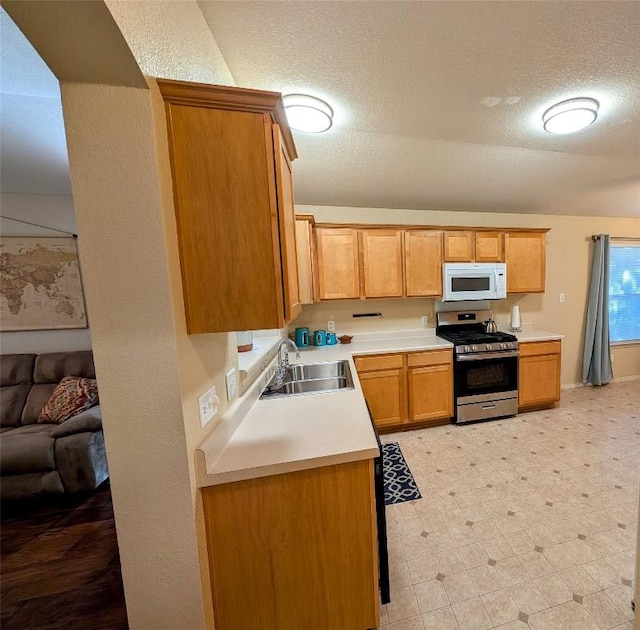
(72, 395)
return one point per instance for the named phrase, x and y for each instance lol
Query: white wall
(54, 211)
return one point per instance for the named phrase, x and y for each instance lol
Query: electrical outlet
(425, 320)
(232, 384)
(561, 297)
(331, 326)
(208, 405)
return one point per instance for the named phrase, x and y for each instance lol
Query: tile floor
(527, 523)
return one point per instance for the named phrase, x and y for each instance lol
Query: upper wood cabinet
(233, 195)
(287, 225)
(382, 263)
(458, 246)
(489, 247)
(358, 261)
(338, 266)
(423, 263)
(525, 256)
(306, 250)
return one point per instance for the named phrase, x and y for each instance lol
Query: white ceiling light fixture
(308, 113)
(571, 115)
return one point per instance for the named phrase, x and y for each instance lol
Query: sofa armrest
(88, 420)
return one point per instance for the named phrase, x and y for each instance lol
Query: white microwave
(474, 281)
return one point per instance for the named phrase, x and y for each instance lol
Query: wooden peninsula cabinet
(231, 152)
(295, 550)
(539, 374)
(407, 390)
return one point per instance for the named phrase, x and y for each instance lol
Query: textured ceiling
(438, 104)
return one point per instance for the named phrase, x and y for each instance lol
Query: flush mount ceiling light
(308, 113)
(569, 116)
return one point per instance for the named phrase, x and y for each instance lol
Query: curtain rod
(596, 237)
(45, 227)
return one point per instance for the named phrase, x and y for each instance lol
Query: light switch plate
(208, 406)
(232, 384)
(425, 320)
(331, 325)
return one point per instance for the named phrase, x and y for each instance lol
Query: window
(624, 292)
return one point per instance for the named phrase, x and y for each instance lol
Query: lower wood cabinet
(385, 393)
(295, 550)
(430, 392)
(409, 389)
(539, 374)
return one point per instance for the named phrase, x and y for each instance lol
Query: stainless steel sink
(311, 378)
(303, 372)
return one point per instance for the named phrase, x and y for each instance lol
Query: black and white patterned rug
(399, 484)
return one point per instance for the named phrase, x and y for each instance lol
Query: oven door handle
(479, 356)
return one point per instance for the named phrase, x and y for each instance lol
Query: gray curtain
(596, 365)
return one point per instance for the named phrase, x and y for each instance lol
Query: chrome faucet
(283, 360)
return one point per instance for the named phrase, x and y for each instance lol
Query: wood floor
(60, 565)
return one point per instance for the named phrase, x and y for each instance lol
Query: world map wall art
(40, 285)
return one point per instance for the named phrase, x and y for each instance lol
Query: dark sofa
(38, 458)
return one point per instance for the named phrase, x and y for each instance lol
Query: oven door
(486, 376)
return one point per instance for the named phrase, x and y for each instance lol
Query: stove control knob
(510, 345)
(467, 348)
(503, 346)
(474, 348)
(489, 346)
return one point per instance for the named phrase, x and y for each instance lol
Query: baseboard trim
(620, 379)
(626, 379)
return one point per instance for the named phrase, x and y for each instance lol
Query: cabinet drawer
(433, 357)
(379, 362)
(535, 348)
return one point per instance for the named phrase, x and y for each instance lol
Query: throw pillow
(72, 395)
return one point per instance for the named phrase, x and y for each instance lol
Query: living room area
(60, 560)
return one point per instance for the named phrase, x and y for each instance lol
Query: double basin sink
(311, 378)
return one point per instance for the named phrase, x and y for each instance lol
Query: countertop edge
(206, 479)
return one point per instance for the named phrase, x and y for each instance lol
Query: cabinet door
(305, 248)
(382, 263)
(423, 263)
(525, 256)
(287, 224)
(338, 268)
(227, 219)
(489, 247)
(539, 380)
(385, 394)
(430, 392)
(458, 246)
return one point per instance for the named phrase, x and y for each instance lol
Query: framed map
(40, 285)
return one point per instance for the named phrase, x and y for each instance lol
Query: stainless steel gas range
(485, 382)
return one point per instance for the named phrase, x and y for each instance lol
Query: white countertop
(533, 334)
(293, 433)
(257, 438)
